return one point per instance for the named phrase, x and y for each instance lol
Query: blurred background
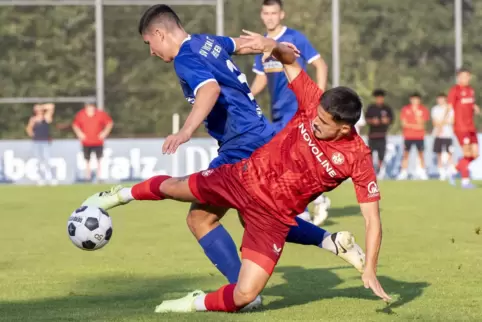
(48, 55)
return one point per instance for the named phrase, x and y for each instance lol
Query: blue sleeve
(308, 52)
(227, 43)
(258, 65)
(190, 68)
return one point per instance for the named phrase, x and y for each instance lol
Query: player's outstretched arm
(206, 98)
(286, 53)
(373, 231)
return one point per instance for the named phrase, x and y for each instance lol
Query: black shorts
(98, 150)
(442, 144)
(379, 145)
(419, 144)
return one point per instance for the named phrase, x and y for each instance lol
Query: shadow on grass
(341, 212)
(308, 285)
(132, 298)
(102, 299)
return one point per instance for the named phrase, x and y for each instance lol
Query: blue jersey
(236, 120)
(283, 100)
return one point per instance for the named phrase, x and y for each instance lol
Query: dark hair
(159, 13)
(415, 94)
(273, 2)
(378, 92)
(343, 104)
(441, 95)
(463, 70)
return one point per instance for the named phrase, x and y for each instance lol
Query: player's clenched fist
(174, 141)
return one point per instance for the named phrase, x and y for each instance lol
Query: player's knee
(200, 219)
(244, 296)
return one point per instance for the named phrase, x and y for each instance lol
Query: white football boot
(348, 249)
(107, 199)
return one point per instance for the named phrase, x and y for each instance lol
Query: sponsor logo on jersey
(467, 100)
(316, 151)
(207, 173)
(272, 66)
(277, 250)
(372, 189)
(337, 158)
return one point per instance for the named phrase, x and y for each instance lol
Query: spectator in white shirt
(442, 120)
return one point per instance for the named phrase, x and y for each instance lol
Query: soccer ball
(89, 228)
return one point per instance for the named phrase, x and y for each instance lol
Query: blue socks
(305, 233)
(220, 248)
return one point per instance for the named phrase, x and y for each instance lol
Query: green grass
(431, 261)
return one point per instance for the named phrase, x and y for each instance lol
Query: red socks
(222, 299)
(463, 166)
(149, 189)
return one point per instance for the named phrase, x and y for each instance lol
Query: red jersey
(463, 100)
(92, 126)
(410, 115)
(294, 168)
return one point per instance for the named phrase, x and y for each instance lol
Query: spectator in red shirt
(462, 100)
(92, 126)
(413, 118)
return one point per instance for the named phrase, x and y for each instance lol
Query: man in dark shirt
(379, 117)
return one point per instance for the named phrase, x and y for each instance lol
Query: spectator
(92, 127)
(443, 120)
(38, 128)
(413, 118)
(379, 117)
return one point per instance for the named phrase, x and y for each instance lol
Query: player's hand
(173, 141)
(102, 136)
(370, 281)
(258, 42)
(81, 136)
(385, 120)
(476, 109)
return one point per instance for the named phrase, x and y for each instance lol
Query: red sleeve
(452, 97)
(77, 120)
(107, 119)
(307, 93)
(365, 180)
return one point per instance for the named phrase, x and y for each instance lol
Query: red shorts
(466, 137)
(264, 235)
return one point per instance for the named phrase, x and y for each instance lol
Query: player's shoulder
(351, 151)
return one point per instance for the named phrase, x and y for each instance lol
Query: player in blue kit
(221, 98)
(270, 73)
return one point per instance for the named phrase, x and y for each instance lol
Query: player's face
(325, 128)
(464, 78)
(415, 101)
(272, 16)
(158, 44)
(379, 100)
(441, 100)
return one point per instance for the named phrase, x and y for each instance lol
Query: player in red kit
(462, 100)
(317, 151)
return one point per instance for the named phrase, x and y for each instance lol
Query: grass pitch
(431, 261)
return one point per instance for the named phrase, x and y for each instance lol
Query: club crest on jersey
(316, 151)
(337, 158)
(372, 189)
(207, 173)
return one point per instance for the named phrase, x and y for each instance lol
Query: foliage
(401, 46)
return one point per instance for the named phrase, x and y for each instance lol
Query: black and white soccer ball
(89, 228)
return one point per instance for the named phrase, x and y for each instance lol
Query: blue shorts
(233, 155)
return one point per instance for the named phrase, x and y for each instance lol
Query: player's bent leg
(217, 243)
(342, 244)
(228, 298)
